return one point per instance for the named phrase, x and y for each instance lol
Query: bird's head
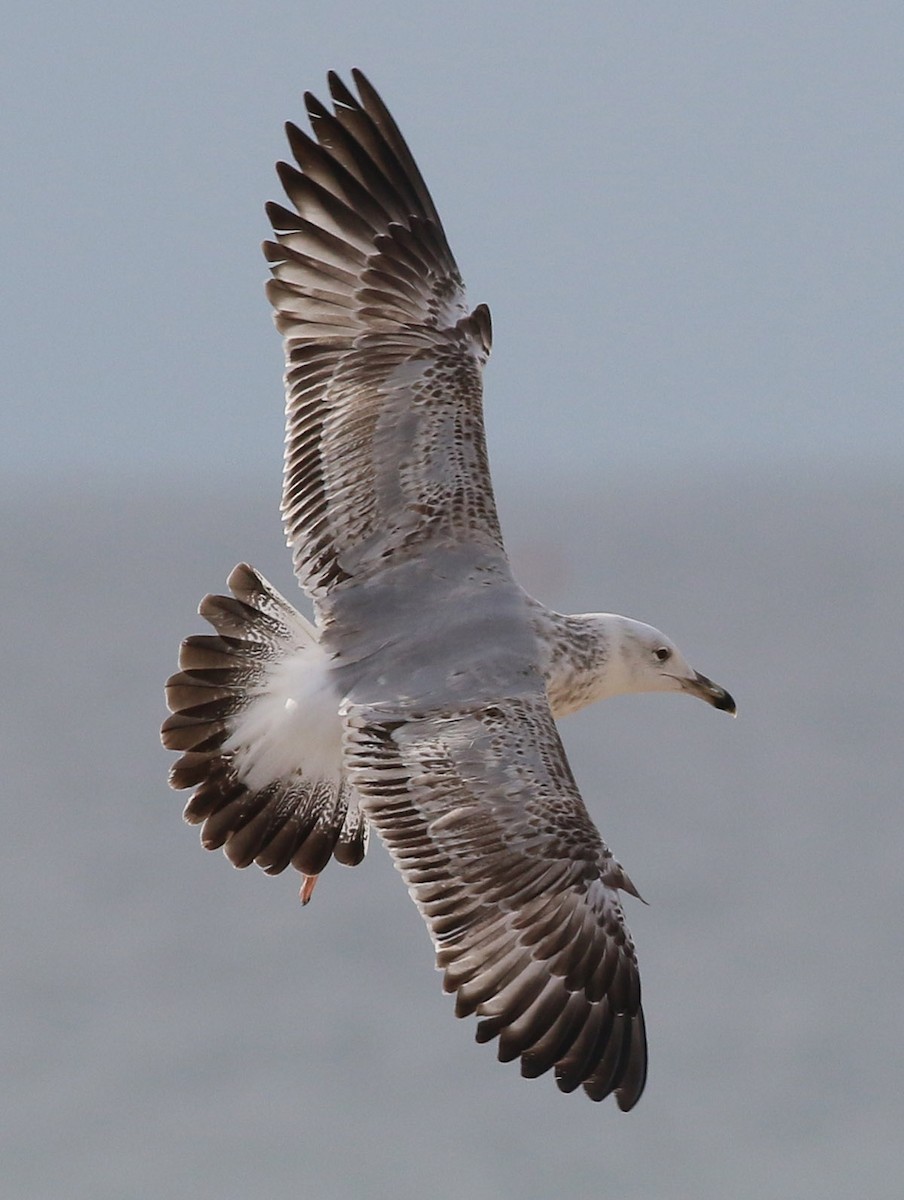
(651, 662)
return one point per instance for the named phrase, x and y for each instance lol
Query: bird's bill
(699, 685)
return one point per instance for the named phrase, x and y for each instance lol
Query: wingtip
(340, 92)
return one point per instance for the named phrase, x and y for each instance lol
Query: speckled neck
(579, 657)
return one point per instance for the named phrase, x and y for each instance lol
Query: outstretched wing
(385, 444)
(484, 821)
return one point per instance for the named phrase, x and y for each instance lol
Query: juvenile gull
(422, 700)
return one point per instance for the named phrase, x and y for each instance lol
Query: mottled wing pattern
(384, 425)
(483, 819)
(286, 818)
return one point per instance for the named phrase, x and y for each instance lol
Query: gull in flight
(423, 698)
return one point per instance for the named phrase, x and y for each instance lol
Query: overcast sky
(686, 219)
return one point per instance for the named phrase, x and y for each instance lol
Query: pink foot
(307, 888)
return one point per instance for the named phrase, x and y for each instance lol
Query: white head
(642, 659)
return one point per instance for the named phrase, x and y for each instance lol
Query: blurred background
(686, 219)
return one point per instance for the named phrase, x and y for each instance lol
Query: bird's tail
(259, 736)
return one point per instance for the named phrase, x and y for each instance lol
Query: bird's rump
(255, 795)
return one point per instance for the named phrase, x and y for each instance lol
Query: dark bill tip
(724, 702)
(713, 694)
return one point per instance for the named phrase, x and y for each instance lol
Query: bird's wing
(482, 817)
(385, 446)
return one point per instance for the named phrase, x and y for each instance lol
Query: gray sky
(686, 219)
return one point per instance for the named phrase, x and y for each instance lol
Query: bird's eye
(663, 653)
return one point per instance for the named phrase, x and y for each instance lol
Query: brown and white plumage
(423, 701)
(483, 819)
(384, 427)
(275, 810)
